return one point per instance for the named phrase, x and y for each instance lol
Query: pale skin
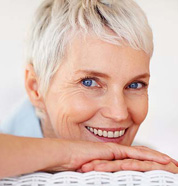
(98, 85)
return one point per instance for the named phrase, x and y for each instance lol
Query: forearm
(19, 155)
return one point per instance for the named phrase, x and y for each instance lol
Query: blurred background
(160, 129)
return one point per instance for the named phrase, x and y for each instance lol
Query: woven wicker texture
(122, 178)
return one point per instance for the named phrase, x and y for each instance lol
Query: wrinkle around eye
(76, 87)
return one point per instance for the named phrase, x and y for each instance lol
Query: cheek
(139, 109)
(67, 112)
(80, 108)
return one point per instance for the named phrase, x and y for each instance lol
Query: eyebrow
(100, 74)
(145, 75)
(93, 73)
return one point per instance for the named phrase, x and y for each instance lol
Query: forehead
(91, 53)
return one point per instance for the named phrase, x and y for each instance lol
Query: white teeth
(121, 133)
(109, 134)
(95, 131)
(100, 133)
(91, 129)
(105, 134)
(117, 134)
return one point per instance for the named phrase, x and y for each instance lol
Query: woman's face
(98, 94)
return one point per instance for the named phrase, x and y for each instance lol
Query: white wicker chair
(122, 178)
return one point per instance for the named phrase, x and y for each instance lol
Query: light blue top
(23, 122)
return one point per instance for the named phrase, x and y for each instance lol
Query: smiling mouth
(106, 134)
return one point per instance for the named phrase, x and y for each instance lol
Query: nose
(115, 107)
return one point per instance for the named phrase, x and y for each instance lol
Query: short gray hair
(57, 21)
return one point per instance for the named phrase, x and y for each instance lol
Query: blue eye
(136, 85)
(89, 83)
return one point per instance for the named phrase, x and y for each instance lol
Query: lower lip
(113, 140)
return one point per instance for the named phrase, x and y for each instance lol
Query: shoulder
(23, 122)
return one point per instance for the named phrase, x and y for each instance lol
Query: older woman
(87, 77)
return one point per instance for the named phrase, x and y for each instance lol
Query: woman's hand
(87, 156)
(131, 164)
(127, 164)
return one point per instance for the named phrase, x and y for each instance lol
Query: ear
(32, 87)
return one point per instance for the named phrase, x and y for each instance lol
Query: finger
(133, 165)
(174, 161)
(123, 152)
(90, 166)
(109, 166)
(142, 166)
(148, 166)
(146, 148)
